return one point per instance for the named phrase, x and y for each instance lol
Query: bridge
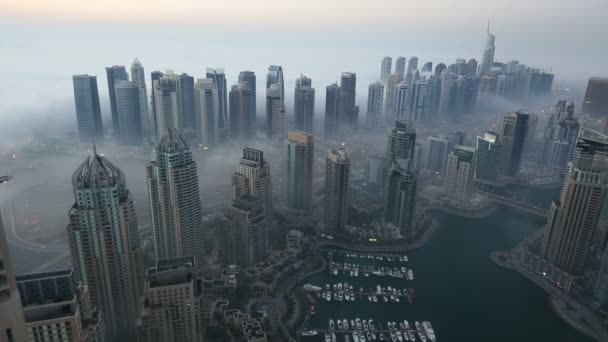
(509, 202)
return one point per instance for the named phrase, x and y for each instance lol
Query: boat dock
(392, 331)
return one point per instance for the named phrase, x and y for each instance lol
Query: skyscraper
(275, 112)
(348, 84)
(131, 114)
(304, 104)
(419, 101)
(401, 102)
(385, 68)
(247, 231)
(573, 219)
(564, 139)
(115, 73)
(600, 290)
(460, 173)
(219, 79)
(57, 308)
(298, 165)
(105, 245)
(248, 79)
(514, 130)
(596, 97)
(335, 110)
(437, 155)
(275, 75)
(487, 157)
(175, 202)
(173, 302)
(400, 195)
(375, 98)
(399, 145)
(88, 112)
(154, 76)
(337, 175)
(241, 115)
(389, 105)
(400, 67)
(138, 76)
(185, 102)
(412, 65)
(207, 112)
(252, 177)
(559, 111)
(166, 110)
(487, 57)
(12, 322)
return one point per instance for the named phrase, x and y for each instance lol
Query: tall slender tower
(248, 79)
(399, 145)
(175, 202)
(337, 170)
(298, 166)
(460, 173)
(487, 57)
(514, 130)
(487, 161)
(400, 67)
(401, 102)
(564, 139)
(88, 112)
(166, 110)
(437, 155)
(207, 112)
(375, 98)
(104, 243)
(572, 221)
(385, 68)
(304, 104)
(12, 323)
(241, 120)
(275, 112)
(252, 177)
(185, 101)
(389, 105)
(419, 101)
(138, 76)
(219, 79)
(335, 104)
(131, 114)
(114, 74)
(275, 75)
(247, 231)
(400, 196)
(348, 84)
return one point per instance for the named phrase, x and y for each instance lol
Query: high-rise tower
(219, 79)
(400, 195)
(275, 112)
(348, 84)
(114, 74)
(337, 174)
(88, 112)
(487, 57)
(399, 145)
(248, 79)
(241, 114)
(514, 130)
(131, 112)
(400, 67)
(275, 75)
(573, 219)
(460, 173)
(207, 112)
(247, 231)
(252, 177)
(105, 245)
(375, 99)
(487, 163)
(385, 68)
(175, 203)
(304, 104)
(166, 110)
(138, 76)
(298, 166)
(335, 110)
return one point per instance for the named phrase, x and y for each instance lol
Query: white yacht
(345, 324)
(428, 329)
(309, 333)
(331, 324)
(355, 336)
(399, 336)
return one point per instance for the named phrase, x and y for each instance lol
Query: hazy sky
(44, 42)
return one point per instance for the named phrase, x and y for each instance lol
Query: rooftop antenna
(94, 145)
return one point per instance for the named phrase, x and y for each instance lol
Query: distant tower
(173, 300)
(335, 110)
(105, 245)
(12, 322)
(401, 102)
(412, 65)
(207, 112)
(252, 177)
(400, 67)
(154, 76)
(573, 219)
(248, 79)
(437, 155)
(487, 59)
(564, 139)
(375, 98)
(558, 113)
(460, 173)
(386, 68)
(514, 130)
(275, 112)
(166, 99)
(390, 90)
(419, 101)
(241, 114)
(185, 101)
(337, 170)
(399, 145)
(304, 104)
(348, 84)
(487, 164)
(247, 231)
(114, 74)
(219, 79)
(596, 98)
(400, 196)
(56, 306)
(138, 76)
(88, 112)
(275, 75)
(175, 202)
(131, 114)
(298, 170)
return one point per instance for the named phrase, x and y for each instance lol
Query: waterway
(464, 295)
